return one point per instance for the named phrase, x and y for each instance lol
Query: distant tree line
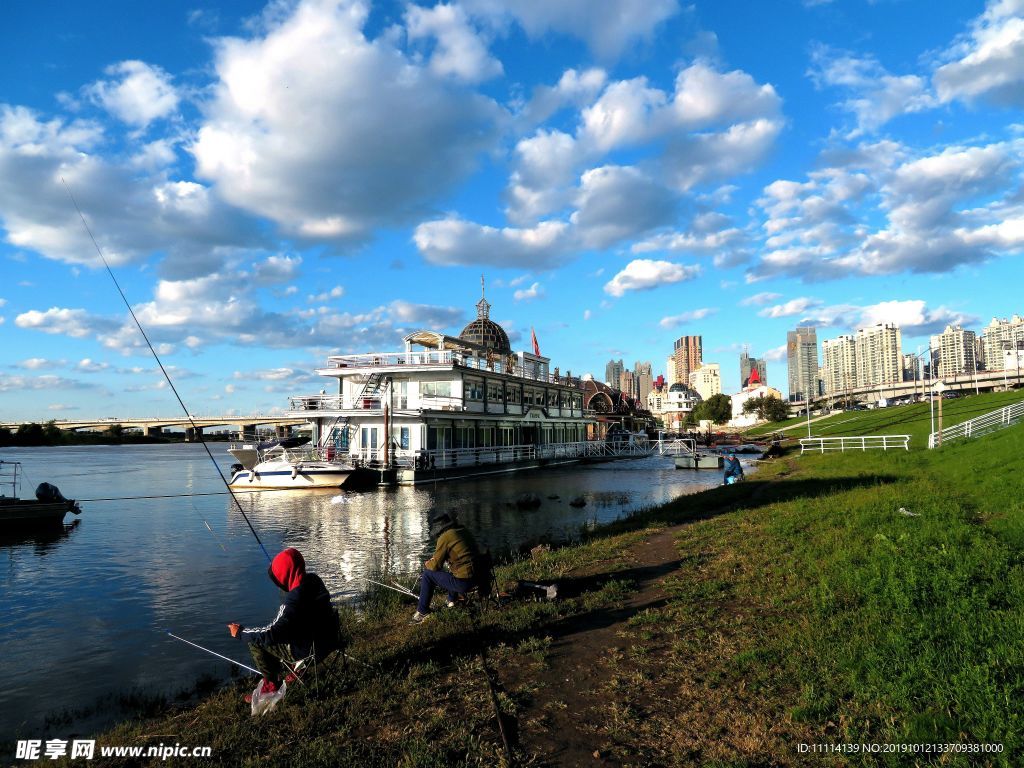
(50, 434)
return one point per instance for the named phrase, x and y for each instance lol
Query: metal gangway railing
(682, 446)
(981, 425)
(861, 443)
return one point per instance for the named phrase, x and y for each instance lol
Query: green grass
(913, 420)
(817, 610)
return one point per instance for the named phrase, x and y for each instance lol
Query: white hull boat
(282, 465)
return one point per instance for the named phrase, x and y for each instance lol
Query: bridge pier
(153, 430)
(193, 434)
(283, 431)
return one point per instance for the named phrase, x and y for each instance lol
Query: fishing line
(163, 370)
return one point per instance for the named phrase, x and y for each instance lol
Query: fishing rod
(163, 370)
(395, 588)
(201, 648)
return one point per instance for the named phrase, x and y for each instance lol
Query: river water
(83, 614)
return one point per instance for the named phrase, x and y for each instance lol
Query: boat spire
(483, 308)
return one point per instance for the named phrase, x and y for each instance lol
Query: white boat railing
(315, 403)
(982, 425)
(446, 458)
(861, 443)
(446, 358)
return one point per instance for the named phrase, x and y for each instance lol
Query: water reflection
(85, 611)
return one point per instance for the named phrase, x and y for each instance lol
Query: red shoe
(269, 686)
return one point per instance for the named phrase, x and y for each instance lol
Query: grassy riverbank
(913, 419)
(865, 597)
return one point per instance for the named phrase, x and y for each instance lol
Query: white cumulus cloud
(137, 93)
(645, 274)
(329, 133)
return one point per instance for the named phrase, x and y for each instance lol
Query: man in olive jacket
(457, 549)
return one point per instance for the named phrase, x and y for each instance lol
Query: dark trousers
(429, 579)
(268, 659)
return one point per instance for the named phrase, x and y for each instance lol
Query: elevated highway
(982, 381)
(153, 426)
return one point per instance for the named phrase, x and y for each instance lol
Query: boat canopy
(441, 341)
(284, 442)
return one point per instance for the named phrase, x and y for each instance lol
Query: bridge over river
(193, 428)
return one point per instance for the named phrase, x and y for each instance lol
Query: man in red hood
(305, 622)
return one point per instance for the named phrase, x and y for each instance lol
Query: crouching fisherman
(455, 548)
(733, 469)
(305, 624)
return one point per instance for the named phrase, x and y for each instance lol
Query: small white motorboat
(284, 464)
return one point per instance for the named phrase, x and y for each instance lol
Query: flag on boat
(536, 346)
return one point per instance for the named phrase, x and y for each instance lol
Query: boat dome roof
(484, 331)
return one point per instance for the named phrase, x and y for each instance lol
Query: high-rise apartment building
(626, 383)
(879, 355)
(688, 354)
(613, 372)
(999, 336)
(955, 348)
(802, 358)
(748, 364)
(706, 381)
(643, 374)
(839, 364)
(670, 372)
(911, 367)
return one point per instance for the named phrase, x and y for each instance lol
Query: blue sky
(275, 183)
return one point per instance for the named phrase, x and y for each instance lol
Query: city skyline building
(706, 381)
(955, 351)
(879, 352)
(802, 363)
(839, 364)
(911, 367)
(643, 375)
(670, 372)
(613, 372)
(688, 354)
(748, 364)
(999, 336)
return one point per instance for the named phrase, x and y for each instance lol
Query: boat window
(474, 389)
(515, 394)
(436, 388)
(494, 393)
(404, 440)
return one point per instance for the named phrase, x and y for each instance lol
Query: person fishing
(733, 469)
(305, 623)
(455, 548)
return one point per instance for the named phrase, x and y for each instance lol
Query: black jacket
(305, 619)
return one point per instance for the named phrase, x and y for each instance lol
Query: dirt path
(577, 671)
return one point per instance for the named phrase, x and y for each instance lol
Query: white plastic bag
(264, 702)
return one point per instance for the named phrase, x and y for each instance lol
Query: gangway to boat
(682, 446)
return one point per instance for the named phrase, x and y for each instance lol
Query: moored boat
(46, 510)
(284, 464)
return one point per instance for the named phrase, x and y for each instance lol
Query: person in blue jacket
(733, 469)
(306, 621)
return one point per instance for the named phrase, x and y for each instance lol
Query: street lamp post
(931, 379)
